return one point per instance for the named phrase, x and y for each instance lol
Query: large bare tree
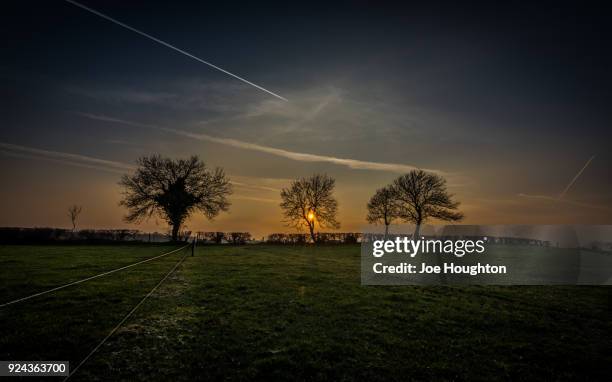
(423, 195)
(309, 202)
(383, 208)
(73, 213)
(174, 189)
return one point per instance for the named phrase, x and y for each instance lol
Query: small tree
(73, 213)
(382, 208)
(310, 201)
(422, 195)
(174, 189)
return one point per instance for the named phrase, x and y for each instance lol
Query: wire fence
(131, 312)
(189, 251)
(91, 277)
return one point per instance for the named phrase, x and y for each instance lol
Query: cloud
(355, 164)
(561, 198)
(254, 199)
(254, 186)
(305, 107)
(324, 116)
(78, 160)
(209, 98)
(65, 158)
(567, 201)
(302, 157)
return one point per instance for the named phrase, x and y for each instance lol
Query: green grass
(290, 313)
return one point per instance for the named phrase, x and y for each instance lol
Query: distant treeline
(238, 238)
(44, 235)
(321, 238)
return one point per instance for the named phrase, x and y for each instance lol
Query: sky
(507, 102)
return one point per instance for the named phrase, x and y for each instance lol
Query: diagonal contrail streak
(293, 155)
(173, 48)
(571, 183)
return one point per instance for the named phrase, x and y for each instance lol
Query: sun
(311, 216)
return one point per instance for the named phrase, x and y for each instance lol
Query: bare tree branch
(422, 195)
(173, 190)
(383, 208)
(73, 213)
(310, 201)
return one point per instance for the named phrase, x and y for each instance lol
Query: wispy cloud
(566, 201)
(129, 96)
(65, 158)
(84, 161)
(305, 107)
(297, 156)
(208, 98)
(255, 199)
(561, 198)
(255, 186)
(324, 116)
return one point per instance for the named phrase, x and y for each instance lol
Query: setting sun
(311, 215)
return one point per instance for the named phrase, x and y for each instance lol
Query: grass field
(290, 313)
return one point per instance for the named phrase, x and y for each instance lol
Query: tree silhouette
(310, 201)
(383, 208)
(174, 189)
(422, 195)
(73, 213)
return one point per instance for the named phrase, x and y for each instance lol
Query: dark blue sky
(506, 99)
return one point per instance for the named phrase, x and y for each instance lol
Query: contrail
(173, 48)
(79, 160)
(66, 158)
(297, 156)
(575, 178)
